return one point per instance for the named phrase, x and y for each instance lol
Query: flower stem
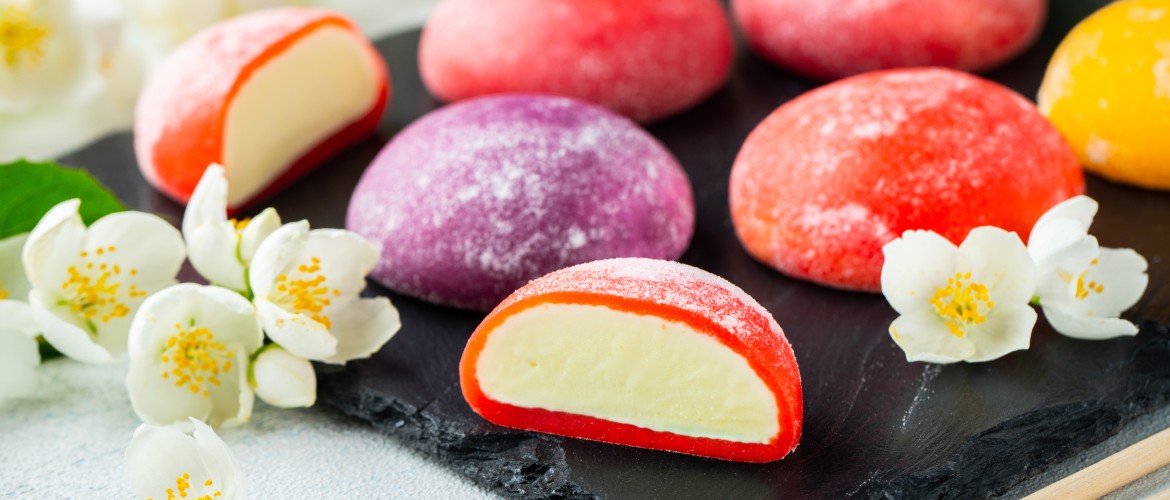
(252, 361)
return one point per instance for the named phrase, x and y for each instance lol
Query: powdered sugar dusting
(664, 282)
(515, 187)
(642, 58)
(911, 149)
(832, 39)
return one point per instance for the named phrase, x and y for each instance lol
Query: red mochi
(657, 300)
(645, 59)
(238, 94)
(830, 177)
(838, 38)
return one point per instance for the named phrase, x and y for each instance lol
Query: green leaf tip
(29, 189)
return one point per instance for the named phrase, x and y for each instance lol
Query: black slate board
(875, 425)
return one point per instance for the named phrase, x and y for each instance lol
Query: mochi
(645, 59)
(830, 177)
(639, 352)
(834, 39)
(475, 199)
(269, 95)
(1107, 89)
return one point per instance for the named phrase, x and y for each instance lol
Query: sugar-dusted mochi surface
(269, 95)
(645, 59)
(830, 177)
(475, 199)
(639, 352)
(834, 39)
(1108, 91)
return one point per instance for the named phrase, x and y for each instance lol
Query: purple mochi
(474, 200)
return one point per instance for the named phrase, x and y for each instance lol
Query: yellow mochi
(1107, 89)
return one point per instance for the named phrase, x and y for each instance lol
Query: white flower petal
(233, 400)
(228, 314)
(19, 355)
(14, 284)
(212, 241)
(1080, 209)
(1121, 273)
(208, 203)
(1008, 328)
(54, 244)
(157, 456)
(346, 258)
(915, 266)
(257, 230)
(275, 255)
(66, 71)
(18, 317)
(61, 329)
(1063, 268)
(923, 336)
(1061, 243)
(363, 328)
(1087, 327)
(283, 379)
(998, 260)
(157, 400)
(212, 250)
(220, 464)
(297, 333)
(141, 241)
(221, 316)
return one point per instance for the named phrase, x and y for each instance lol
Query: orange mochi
(639, 352)
(269, 95)
(1107, 89)
(833, 175)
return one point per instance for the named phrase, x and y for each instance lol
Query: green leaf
(28, 190)
(47, 350)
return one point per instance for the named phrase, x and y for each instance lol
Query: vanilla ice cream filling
(322, 83)
(628, 368)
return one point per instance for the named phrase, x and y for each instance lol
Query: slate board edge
(528, 465)
(514, 464)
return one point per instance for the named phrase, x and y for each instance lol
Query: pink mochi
(829, 39)
(645, 59)
(472, 201)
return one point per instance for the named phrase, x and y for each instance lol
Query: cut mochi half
(269, 95)
(639, 352)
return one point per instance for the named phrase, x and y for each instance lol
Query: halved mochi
(640, 352)
(268, 95)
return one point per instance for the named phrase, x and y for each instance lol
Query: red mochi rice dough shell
(830, 177)
(644, 59)
(833, 39)
(673, 293)
(182, 118)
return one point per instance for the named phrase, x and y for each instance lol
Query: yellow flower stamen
(307, 294)
(1086, 289)
(241, 224)
(959, 303)
(93, 289)
(182, 489)
(22, 39)
(194, 357)
(3, 292)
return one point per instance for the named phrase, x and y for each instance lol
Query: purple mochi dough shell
(474, 200)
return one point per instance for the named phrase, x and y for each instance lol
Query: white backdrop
(56, 128)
